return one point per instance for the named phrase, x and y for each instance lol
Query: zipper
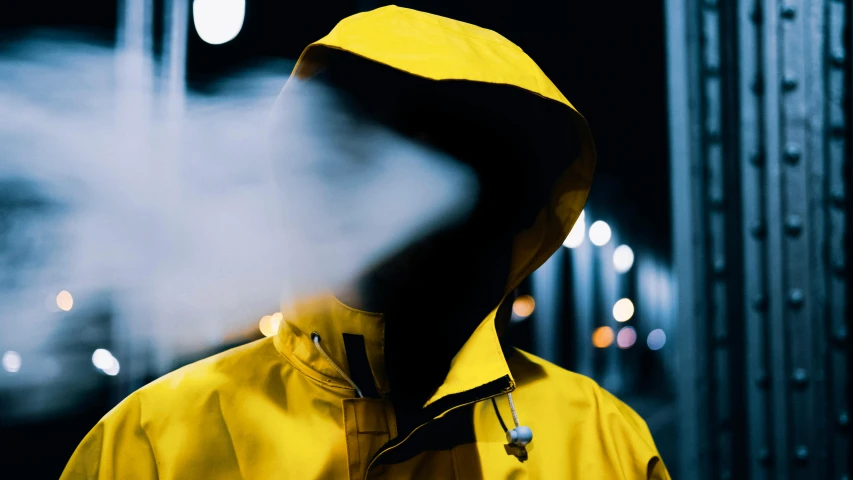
(392, 447)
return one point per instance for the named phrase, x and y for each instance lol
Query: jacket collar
(331, 319)
(480, 362)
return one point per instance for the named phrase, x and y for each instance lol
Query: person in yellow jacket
(424, 389)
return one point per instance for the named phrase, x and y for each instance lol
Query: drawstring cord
(518, 437)
(316, 338)
(512, 409)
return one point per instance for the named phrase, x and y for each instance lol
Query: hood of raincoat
(558, 158)
(441, 49)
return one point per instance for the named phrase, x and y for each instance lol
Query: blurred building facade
(760, 121)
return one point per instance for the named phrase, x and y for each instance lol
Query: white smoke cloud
(185, 219)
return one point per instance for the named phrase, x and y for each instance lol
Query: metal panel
(760, 144)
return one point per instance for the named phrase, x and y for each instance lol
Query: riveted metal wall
(759, 95)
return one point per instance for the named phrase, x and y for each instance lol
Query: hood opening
(518, 143)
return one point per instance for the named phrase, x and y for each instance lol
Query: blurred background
(706, 283)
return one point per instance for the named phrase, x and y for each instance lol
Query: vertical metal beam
(773, 249)
(715, 217)
(546, 283)
(134, 93)
(606, 276)
(175, 54)
(582, 297)
(688, 235)
(838, 169)
(754, 227)
(731, 202)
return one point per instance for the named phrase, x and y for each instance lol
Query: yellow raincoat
(278, 408)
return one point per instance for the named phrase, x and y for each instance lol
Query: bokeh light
(627, 337)
(599, 233)
(11, 361)
(623, 258)
(265, 325)
(656, 339)
(113, 369)
(275, 321)
(218, 21)
(576, 236)
(64, 300)
(103, 359)
(602, 337)
(623, 310)
(523, 306)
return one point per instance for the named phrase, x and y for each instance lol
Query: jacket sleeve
(636, 438)
(116, 448)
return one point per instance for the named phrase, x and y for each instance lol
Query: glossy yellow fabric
(278, 409)
(275, 409)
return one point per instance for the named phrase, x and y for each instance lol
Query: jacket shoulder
(537, 373)
(180, 392)
(124, 443)
(210, 372)
(117, 447)
(584, 402)
(572, 413)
